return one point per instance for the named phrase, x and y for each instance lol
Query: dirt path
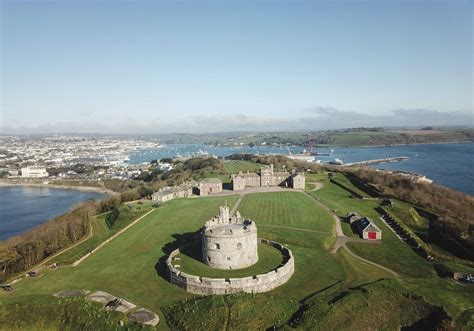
(236, 205)
(317, 186)
(341, 239)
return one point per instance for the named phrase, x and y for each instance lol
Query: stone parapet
(252, 284)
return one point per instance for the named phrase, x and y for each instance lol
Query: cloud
(316, 118)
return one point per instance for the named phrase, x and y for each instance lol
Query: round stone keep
(229, 242)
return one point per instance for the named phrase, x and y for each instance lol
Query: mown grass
(101, 231)
(269, 258)
(285, 209)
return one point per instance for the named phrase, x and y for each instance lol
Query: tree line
(452, 229)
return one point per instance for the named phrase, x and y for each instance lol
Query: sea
(450, 165)
(22, 208)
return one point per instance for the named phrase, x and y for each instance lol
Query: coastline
(369, 146)
(415, 144)
(12, 183)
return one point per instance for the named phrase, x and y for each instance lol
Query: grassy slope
(48, 313)
(364, 138)
(410, 217)
(418, 273)
(100, 232)
(383, 305)
(392, 253)
(269, 258)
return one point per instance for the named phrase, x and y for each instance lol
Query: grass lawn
(100, 231)
(288, 209)
(269, 258)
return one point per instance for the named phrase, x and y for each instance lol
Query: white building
(34, 172)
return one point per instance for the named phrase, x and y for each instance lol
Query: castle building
(267, 177)
(229, 242)
(184, 190)
(210, 186)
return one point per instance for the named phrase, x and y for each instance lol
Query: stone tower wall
(230, 252)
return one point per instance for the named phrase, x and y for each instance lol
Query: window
(239, 245)
(217, 246)
(228, 258)
(209, 259)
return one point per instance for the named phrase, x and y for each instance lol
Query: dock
(377, 161)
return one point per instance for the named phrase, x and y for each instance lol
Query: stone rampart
(252, 284)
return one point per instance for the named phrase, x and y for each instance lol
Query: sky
(216, 66)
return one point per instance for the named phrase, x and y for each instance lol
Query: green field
(132, 267)
(285, 209)
(100, 232)
(269, 258)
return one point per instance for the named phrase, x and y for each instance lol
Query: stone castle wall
(230, 252)
(252, 284)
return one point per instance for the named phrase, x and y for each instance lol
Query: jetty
(377, 161)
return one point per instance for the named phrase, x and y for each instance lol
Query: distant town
(70, 157)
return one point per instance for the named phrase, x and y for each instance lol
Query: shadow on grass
(353, 228)
(180, 240)
(297, 317)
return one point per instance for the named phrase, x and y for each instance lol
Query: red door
(372, 235)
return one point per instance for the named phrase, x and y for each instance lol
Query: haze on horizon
(162, 67)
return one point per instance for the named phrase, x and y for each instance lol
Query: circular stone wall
(230, 246)
(252, 284)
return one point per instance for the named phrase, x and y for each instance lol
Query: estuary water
(450, 165)
(22, 208)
